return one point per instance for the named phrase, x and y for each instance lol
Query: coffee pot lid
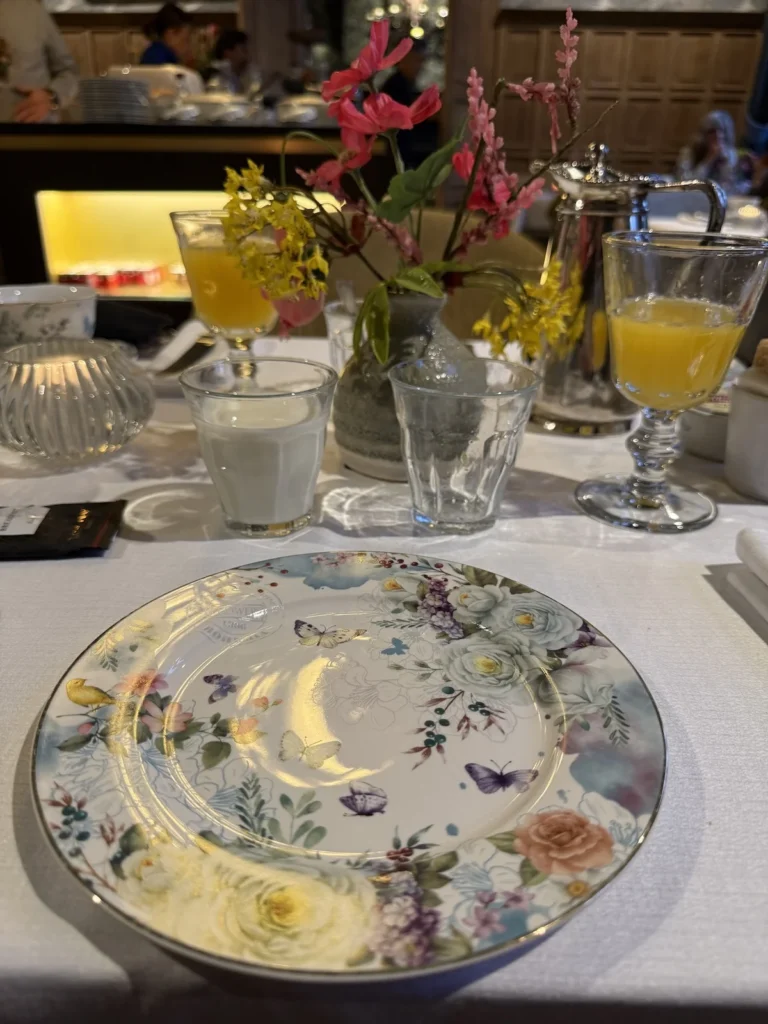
(594, 178)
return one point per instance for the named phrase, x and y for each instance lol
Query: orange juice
(672, 353)
(225, 300)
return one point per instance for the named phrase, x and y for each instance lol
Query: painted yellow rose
(307, 918)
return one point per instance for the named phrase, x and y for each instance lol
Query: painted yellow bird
(87, 696)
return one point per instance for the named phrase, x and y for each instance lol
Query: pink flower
(484, 922)
(326, 177)
(517, 899)
(486, 897)
(427, 104)
(297, 310)
(358, 148)
(463, 162)
(171, 720)
(142, 684)
(85, 728)
(342, 84)
(380, 113)
(261, 702)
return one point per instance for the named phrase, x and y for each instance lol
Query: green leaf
(215, 718)
(432, 880)
(214, 752)
(317, 835)
(504, 841)
(74, 742)
(212, 838)
(306, 798)
(479, 577)
(411, 188)
(286, 803)
(444, 862)
(221, 728)
(377, 322)
(133, 839)
(514, 586)
(312, 808)
(416, 279)
(530, 875)
(585, 725)
(274, 830)
(365, 956)
(116, 863)
(166, 747)
(447, 267)
(455, 946)
(430, 898)
(192, 729)
(142, 732)
(304, 827)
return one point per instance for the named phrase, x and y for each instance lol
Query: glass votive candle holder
(261, 424)
(461, 427)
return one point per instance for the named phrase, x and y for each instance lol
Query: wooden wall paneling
(642, 120)
(648, 64)
(108, 47)
(692, 61)
(604, 61)
(681, 120)
(736, 54)
(518, 54)
(135, 45)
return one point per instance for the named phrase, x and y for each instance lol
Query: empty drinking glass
(340, 324)
(261, 424)
(461, 429)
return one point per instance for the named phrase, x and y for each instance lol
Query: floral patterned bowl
(34, 312)
(349, 765)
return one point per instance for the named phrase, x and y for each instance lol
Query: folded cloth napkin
(751, 578)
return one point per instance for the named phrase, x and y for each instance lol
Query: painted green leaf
(315, 836)
(377, 322)
(585, 725)
(411, 188)
(274, 830)
(504, 841)
(312, 808)
(74, 742)
(478, 577)
(444, 862)
(416, 279)
(305, 799)
(142, 732)
(430, 898)
(192, 729)
(116, 863)
(530, 875)
(221, 728)
(211, 837)
(432, 880)
(133, 839)
(514, 586)
(304, 827)
(286, 802)
(455, 946)
(215, 718)
(214, 752)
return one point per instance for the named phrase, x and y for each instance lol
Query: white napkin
(751, 578)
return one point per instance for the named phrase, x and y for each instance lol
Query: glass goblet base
(675, 509)
(258, 530)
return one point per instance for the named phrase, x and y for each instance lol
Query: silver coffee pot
(578, 396)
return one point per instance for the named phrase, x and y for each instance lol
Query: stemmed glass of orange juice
(678, 305)
(229, 304)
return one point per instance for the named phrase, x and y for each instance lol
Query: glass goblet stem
(654, 446)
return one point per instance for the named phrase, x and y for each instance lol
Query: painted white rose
(541, 620)
(394, 591)
(151, 876)
(474, 604)
(490, 668)
(580, 687)
(624, 827)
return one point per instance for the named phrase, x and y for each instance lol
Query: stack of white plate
(116, 101)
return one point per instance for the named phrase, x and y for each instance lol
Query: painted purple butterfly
(364, 800)
(489, 781)
(224, 686)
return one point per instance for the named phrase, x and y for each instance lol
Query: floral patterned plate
(349, 764)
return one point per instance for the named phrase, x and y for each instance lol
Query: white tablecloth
(686, 923)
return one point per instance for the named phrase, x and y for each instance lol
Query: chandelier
(415, 16)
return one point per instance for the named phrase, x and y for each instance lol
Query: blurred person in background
(712, 155)
(402, 86)
(170, 35)
(38, 73)
(230, 69)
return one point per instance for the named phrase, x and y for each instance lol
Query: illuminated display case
(120, 242)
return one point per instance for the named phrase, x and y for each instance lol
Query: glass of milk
(261, 424)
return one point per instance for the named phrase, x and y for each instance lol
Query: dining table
(682, 930)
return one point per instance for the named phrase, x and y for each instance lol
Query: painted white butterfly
(293, 746)
(317, 636)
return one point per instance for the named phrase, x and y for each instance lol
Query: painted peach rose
(563, 842)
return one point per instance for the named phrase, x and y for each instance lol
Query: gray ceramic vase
(364, 418)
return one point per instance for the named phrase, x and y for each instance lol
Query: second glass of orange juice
(678, 305)
(229, 304)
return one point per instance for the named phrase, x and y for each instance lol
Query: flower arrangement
(304, 234)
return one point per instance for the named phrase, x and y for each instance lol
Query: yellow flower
(310, 917)
(551, 313)
(245, 730)
(271, 236)
(577, 888)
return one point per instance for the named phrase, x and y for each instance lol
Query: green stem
(418, 224)
(360, 182)
(300, 134)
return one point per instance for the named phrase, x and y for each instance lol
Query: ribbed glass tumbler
(70, 400)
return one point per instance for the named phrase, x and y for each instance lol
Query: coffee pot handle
(718, 201)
